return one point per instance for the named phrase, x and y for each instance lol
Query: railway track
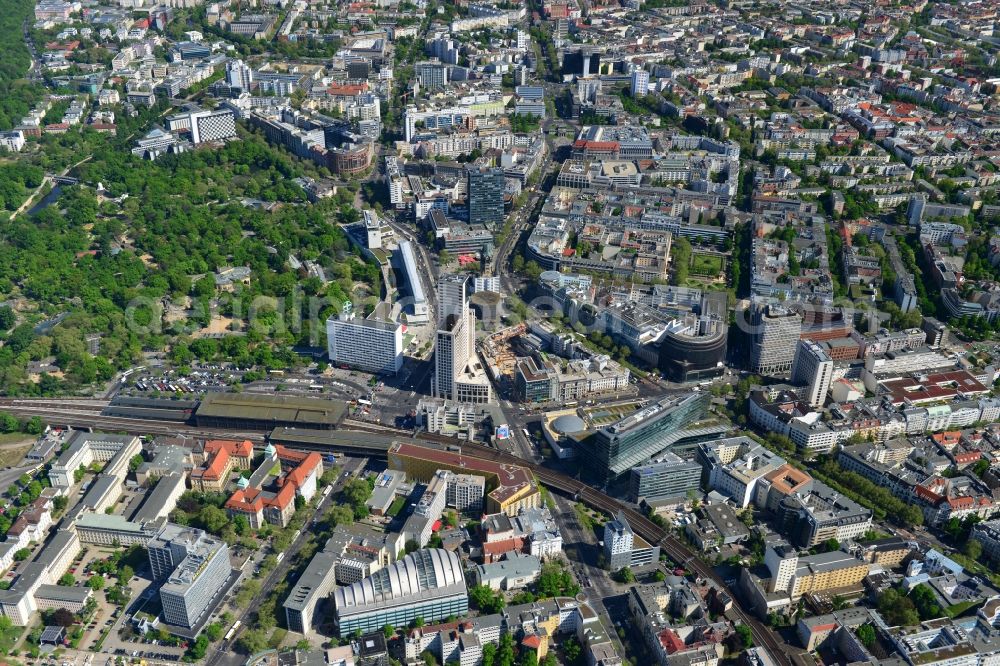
(87, 404)
(86, 414)
(88, 417)
(675, 549)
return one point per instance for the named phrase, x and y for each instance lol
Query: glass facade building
(617, 448)
(669, 477)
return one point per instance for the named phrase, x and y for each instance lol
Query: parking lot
(199, 380)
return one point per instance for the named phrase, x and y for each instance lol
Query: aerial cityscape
(492, 333)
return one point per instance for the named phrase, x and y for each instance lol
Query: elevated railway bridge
(357, 438)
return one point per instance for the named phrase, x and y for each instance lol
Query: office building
(486, 283)
(428, 583)
(486, 186)
(353, 553)
(776, 332)
(813, 574)
(453, 296)
(451, 353)
(360, 551)
(374, 344)
(812, 367)
(779, 484)
(781, 561)
(693, 347)
(86, 447)
(734, 466)
(582, 63)
(669, 477)
(190, 51)
(431, 74)
(311, 588)
(540, 379)
(821, 513)
(446, 488)
(458, 373)
(195, 568)
(624, 548)
(436, 415)
(215, 125)
(717, 525)
(618, 540)
(640, 83)
(107, 530)
(239, 75)
(617, 448)
(73, 599)
(102, 493)
(168, 547)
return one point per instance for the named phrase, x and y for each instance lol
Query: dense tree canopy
(114, 264)
(17, 95)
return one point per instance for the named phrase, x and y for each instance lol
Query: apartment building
(733, 467)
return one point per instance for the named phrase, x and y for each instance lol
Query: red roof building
(221, 457)
(276, 504)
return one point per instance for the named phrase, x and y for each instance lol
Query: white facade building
(640, 82)
(735, 465)
(373, 344)
(813, 367)
(12, 141)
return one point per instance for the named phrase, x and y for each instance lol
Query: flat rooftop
(330, 440)
(272, 408)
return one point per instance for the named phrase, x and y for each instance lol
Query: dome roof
(567, 424)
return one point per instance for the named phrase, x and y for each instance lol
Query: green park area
(709, 265)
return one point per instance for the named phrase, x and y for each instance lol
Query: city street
(582, 548)
(224, 653)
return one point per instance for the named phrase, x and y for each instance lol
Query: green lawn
(958, 609)
(397, 506)
(8, 637)
(14, 446)
(277, 636)
(15, 437)
(706, 264)
(975, 566)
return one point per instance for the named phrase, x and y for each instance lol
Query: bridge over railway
(373, 440)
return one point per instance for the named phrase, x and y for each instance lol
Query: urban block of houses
(268, 495)
(220, 458)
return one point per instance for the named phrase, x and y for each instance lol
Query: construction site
(497, 352)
